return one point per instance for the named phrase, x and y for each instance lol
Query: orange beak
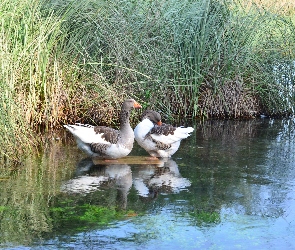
(136, 105)
(159, 123)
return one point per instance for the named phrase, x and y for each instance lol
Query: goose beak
(159, 123)
(136, 105)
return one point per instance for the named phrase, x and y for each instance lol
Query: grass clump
(41, 85)
(188, 57)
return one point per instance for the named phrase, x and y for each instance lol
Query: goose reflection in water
(148, 180)
(164, 177)
(90, 177)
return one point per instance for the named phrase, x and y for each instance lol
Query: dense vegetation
(67, 61)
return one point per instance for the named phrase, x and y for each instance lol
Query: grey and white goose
(106, 142)
(159, 139)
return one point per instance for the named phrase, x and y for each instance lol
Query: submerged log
(129, 160)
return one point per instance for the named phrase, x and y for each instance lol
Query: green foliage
(41, 85)
(2, 208)
(87, 214)
(202, 217)
(24, 43)
(100, 215)
(179, 50)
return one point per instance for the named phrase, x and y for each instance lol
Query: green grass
(191, 55)
(68, 61)
(42, 86)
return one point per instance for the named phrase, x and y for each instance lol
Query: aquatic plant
(204, 217)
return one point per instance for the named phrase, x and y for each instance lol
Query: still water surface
(231, 185)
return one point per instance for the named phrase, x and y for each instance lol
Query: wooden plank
(129, 160)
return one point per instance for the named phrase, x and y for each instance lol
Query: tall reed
(14, 130)
(179, 56)
(31, 76)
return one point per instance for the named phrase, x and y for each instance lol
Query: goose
(105, 142)
(157, 138)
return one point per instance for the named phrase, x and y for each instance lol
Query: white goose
(106, 142)
(159, 139)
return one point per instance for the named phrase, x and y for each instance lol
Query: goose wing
(167, 134)
(94, 134)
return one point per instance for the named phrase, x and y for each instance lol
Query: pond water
(231, 185)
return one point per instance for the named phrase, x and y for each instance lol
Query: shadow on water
(231, 184)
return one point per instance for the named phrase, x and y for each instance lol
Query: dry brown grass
(285, 7)
(230, 100)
